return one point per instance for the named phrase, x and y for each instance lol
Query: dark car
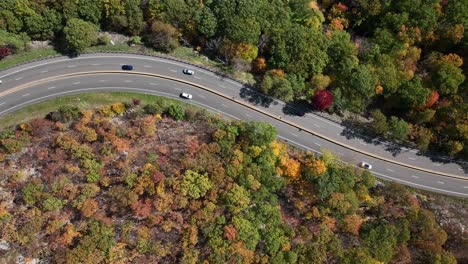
(301, 113)
(127, 67)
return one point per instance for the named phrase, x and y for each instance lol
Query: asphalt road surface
(30, 83)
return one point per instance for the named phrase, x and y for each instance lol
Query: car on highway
(186, 95)
(127, 67)
(188, 72)
(365, 165)
(0, 81)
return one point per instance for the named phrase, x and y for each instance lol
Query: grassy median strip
(83, 101)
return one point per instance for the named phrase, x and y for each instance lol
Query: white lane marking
(178, 89)
(26, 94)
(362, 143)
(222, 86)
(390, 170)
(75, 83)
(153, 83)
(102, 80)
(465, 187)
(196, 77)
(386, 176)
(50, 88)
(317, 144)
(84, 57)
(439, 182)
(19, 78)
(128, 81)
(71, 66)
(147, 66)
(172, 70)
(248, 115)
(95, 64)
(2, 103)
(44, 71)
(437, 164)
(202, 96)
(411, 158)
(316, 125)
(150, 91)
(225, 105)
(338, 134)
(294, 134)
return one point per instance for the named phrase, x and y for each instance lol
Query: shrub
(65, 114)
(176, 111)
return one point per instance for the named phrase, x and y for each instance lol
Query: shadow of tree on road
(255, 97)
(297, 108)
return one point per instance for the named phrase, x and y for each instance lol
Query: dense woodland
(161, 183)
(397, 61)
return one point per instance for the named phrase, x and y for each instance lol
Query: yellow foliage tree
(314, 166)
(118, 108)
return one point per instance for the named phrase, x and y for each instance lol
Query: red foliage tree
(158, 176)
(322, 99)
(432, 99)
(4, 51)
(136, 101)
(142, 208)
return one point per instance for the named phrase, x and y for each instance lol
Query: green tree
(134, 22)
(342, 54)
(246, 231)
(448, 78)
(195, 185)
(381, 240)
(176, 111)
(277, 86)
(299, 49)
(259, 133)
(91, 10)
(358, 88)
(237, 199)
(335, 180)
(79, 35)
(206, 22)
(52, 204)
(399, 129)
(43, 26)
(411, 94)
(379, 122)
(9, 21)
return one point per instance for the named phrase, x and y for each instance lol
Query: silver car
(188, 72)
(186, 95)
(365, 165)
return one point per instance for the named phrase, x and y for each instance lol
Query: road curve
(22, 85)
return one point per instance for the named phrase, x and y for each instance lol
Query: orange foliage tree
(351, 224)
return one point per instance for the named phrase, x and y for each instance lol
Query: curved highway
(42, 80)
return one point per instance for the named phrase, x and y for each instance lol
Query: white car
(188, 72)
(0, 81)
(186, 95)
(365, 165)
